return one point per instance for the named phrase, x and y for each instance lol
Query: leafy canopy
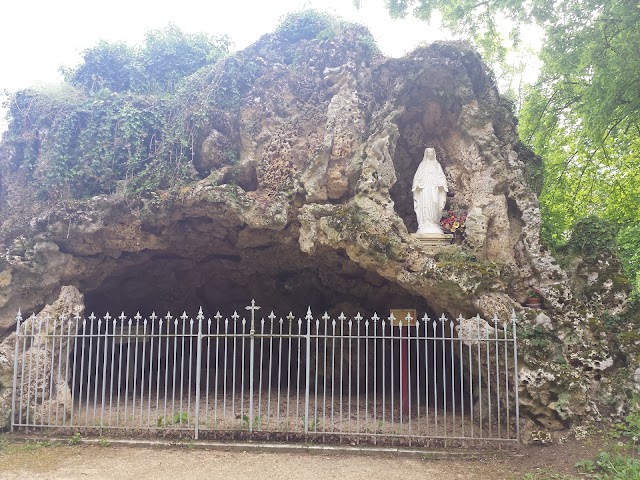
(167, 56)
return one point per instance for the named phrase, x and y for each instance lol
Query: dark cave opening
(153, 363)
(154, 360)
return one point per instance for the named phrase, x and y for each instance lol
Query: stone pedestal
(434, 239)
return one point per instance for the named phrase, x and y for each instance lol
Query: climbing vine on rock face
(86, 146)
(119, 121)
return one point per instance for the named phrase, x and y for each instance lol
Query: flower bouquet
(453, 221)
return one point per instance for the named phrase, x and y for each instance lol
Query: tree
(167, 56)
(583, 114)
(106, 65)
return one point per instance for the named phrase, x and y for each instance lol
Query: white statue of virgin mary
(429, 193)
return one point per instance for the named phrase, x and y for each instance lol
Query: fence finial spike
(309, 315)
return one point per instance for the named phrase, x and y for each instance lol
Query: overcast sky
(39, 36)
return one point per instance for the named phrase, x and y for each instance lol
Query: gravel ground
(116, 462)
(282, 413)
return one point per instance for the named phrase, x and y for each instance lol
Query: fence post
(309, 317)
(200, 317)
(15, 370)
(516, 381)
(252, 332)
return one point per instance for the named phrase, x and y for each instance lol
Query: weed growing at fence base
(103, 442)
(181, 417)
(257, 421)
(75, 439)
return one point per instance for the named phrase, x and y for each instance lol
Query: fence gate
(401, 380)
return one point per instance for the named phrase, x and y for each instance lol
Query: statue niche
(429, 194)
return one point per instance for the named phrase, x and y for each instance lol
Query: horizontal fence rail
(271, 377)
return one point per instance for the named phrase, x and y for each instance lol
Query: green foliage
(314, 425)
(85, 146)
(257, 421)
(168, 56)
(629, 244)
(592, 236)
(348, 220)
(314, 25)
(181, 417)
(539, 340)
(107, 65)
(584, 119)
(621, 459)
(614, 466)
(630, 428)
(307, 25)
(75, 439)
(126, 119)
(545, 474)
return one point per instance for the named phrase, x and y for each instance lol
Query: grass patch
(8, 446)
(546, 474)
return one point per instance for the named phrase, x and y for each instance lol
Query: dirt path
(116, 463)
(23, 459)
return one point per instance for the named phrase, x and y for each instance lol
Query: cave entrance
(330, 368)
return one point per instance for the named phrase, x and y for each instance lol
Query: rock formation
(304, 198)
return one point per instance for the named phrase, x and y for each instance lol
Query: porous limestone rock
(48, 390)
(7, 349)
